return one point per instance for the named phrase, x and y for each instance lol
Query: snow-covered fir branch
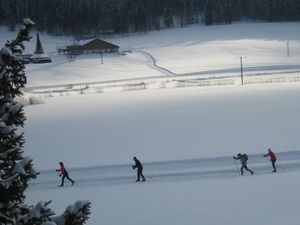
(75, 214)
(16, 170)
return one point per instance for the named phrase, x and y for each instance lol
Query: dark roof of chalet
(97, 44)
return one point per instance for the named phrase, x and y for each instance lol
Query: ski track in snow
(169, 171)
(153, 64)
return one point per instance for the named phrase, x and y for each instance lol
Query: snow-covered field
(159, 126)
(206, 51)
(185, 137)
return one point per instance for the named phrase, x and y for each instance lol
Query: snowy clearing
(185, 137)
(96, 136)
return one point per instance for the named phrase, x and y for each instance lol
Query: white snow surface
(211, 50)
(185, 137)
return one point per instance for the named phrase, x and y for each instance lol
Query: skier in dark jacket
(64, 174)
(243, 159)
(139, 167)
(272, 158)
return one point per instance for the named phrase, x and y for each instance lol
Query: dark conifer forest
(94, 17)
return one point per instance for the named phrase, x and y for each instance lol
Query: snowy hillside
(197, 50)
(185, 137)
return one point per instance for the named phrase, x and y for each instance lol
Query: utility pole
(101, 55)
(288, 49)
(242, 72)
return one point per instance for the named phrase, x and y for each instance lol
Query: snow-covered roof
(97, 43)
(39, 56)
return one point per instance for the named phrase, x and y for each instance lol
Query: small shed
(97, 46)
(40, 58)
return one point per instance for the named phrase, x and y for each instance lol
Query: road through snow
(257, 70)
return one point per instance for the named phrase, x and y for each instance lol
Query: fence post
(242, 74)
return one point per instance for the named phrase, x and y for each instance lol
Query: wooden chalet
(97, 46)
(89, 47)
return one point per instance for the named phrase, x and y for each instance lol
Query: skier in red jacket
(272, 158)
(64, 174)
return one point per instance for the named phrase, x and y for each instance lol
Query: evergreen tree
(228, 17)
(92, 17)
(15, 169)
(39, 48)
(209, 9)
(168, 18)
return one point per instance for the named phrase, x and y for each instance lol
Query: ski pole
(280, 167)
(266, 158)
(236, 167)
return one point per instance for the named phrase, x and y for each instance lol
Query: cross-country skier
(243, 159)
(273, 159)
(139, 167)
(64, 174)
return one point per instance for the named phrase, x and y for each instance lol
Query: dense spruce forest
(93, 17)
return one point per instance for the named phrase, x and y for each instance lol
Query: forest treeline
(93, 17)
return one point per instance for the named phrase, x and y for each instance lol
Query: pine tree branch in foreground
(16, 170)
